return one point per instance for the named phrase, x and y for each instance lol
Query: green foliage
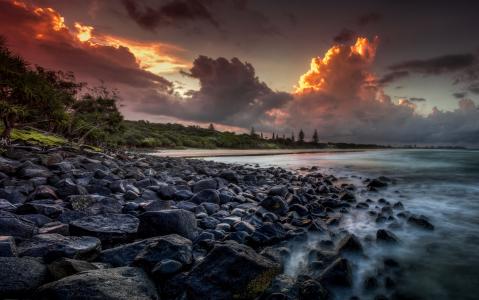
(37, 137)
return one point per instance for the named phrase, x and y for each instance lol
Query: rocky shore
(85, 225)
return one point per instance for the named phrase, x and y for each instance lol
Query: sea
(442, 185)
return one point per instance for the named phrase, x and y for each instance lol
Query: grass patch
(37, 137)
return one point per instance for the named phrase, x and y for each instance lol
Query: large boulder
(94, 204)
(275, 204)
(66, 187)
(20, 276)
(170, 246)
(207, 195)
(124, 255)
(7, 246)
(179, 221)
(230, 271)
(350, 244)
(106, 284)
(204, 184)
(53, 246)
(11, 224)
(337, 274)
(111, 229)
(64, 267)
(420, 222)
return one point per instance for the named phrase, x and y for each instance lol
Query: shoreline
(198, 153)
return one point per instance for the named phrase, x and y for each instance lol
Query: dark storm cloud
(417, 99)
(437, 65)
(170, 13)
(344, 36)
(393, 76)
(459, 95)
(369, 18)
(230, 93)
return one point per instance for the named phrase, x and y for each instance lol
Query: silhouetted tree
(301, 136)
(252, 132)
(292, 137)
(261, 135)
(273, 137)
(211, 127)
(315, 137)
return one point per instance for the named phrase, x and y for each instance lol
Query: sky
(395, 72)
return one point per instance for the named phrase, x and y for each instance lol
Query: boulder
(7, 246)
(122, 283)
(44, 192)
(338, 273)
(15, 226)
(206, 195)
(179, 221)
(278, 190)
(20, 276)
(230, 271)
(386, 236)
(64, 267)
(420, 222)
(53, 246)
(95, 204)
(66, 187)
(204, 184)
(350, 244)
(170, 246)
(111, 229)
(167, 267)
(275, 204)
(124, 255)
(376, 183)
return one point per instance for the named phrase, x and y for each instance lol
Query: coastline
(197, 153)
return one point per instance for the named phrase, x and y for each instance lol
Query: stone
(66, 187)
(7, 246)
(338, 273)
(267, 234)
(55, 227)
(124, 283)
(64, 267)
(350, 244)
(386, 236)
(230, 271)
(179, 221)
(376, 183)
(204, 184)
(420, 222)
(20, 276)
(166, 267)
(15, 226)
(275, 204)
(170, 246)
(165, 191)
(311, 289)
(111, 229)
(95, 204)
(206, 195)
(53, 246)
(44, 192)
(182, 195)
(278, 190)
(124, 255)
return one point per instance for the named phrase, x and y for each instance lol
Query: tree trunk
(9, 123)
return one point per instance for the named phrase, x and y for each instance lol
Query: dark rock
(230, 176)
(350, 244)
(55, 227)
(124, 255)
(338, 273)
(8, 166)
(376, 183)
(267, 234)
(20, 276)
(206, 195)
(66, 187)
(230, 271)
(64, 267)
(123, 283)
(183, 195)
(44, 192)
(165, 191)
(53, 246)
(118, 186)
(31, 171)
(47, 208)
(370, 283)
(311, 289)
(15, 226)
(420, 222)
(94, 204)
(386, 236)
(205, 184)
(37, 219)
(166, 267)
(347, 196)
(170, 246)
(179, 221)
(275, 204)
(7, 206)
(7, 246)
(111, 229)
(278, 190)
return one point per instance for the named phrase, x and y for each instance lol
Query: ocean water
(443, 185)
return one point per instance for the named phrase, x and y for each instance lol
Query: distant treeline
(54, 102)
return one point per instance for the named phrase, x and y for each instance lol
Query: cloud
(459, 95)
(341, 98)
(437, 65)
(393, 76)
(171, 13)
(344, 36)
(230, 93)
(416, 99)
(369, 18)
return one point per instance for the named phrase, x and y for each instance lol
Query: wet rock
(124, 255)
(206, 195)
(53, 246)
(386, 236)
(370, 283)
(44, 192)
(347, 196)
(210, 184)
(94, 204)
(20, 276)
(7, 246)
(275, 204)
(109, 284)
(230, 271)
(111, 229)
(376, 183)
(420, 222)
(179, 221)
(229, 175)
(337, 273)
(170, 246)
(166, 267)
(64, 267)
(350, 244)
(267, 234)
(182, 195)
(165, 191)
(311, 289)
(15, 226)
(66, 187)
(278, 190)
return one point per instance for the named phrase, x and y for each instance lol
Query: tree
(301, 136)
(315, 137)
(211, 127)
(261, 135)
(292, 137)
(252, 132)
(96, 117)
(273, 137)
(31, 96)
